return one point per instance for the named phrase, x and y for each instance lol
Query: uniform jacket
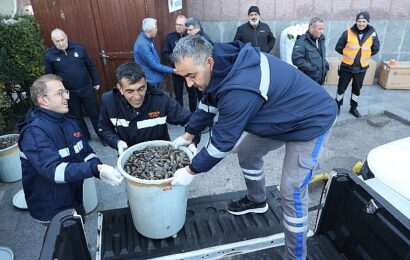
(146, 55)
(256, 92)
(341, 44)
(309, 58)
(74, 66)
(120, 121)
(205, 36)
(55, 159)
(170, 42)
(261, 36)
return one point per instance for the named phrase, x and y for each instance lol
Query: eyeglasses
(61, 92)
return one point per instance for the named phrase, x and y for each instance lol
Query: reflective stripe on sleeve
(214, 152)
(22, 155)
(90, 156)
(205, 108)
(295, 220)
(59, 176)
(295, 229)
(265, 76)
(152, 122)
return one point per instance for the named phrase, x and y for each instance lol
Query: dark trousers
(179, 83)
(84, 98)
(344, 79)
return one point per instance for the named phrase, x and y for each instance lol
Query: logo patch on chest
(58, 59)
(76, 54)
(153, 114)
(77, 134)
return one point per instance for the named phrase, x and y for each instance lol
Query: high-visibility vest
(352, 48)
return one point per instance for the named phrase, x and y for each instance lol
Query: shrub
(21, 62)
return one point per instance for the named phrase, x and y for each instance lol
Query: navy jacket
(120, 121)
(55, 159)
(146, 55)
(309, 58)
(261, 36)
(74, 66)
(170, 42)
(260, 94)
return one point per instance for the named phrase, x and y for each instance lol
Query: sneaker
(355, 112)
(245, 206)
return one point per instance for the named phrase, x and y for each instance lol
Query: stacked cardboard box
(332, 77)
(394, 75)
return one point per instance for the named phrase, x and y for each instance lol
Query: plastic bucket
(158, 209)
(90, 200)
(10, 165)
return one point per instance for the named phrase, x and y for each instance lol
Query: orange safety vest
(352, 48)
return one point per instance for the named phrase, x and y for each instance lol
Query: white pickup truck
(363, 217)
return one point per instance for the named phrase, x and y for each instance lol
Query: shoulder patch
(374, 34)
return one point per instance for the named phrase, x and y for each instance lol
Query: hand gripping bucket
(158, 209)
(10, 165)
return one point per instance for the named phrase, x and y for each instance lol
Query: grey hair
(315, 20)
(195, 47)
(194, 22)
(56, 31)
(148, 24)
(39, 87)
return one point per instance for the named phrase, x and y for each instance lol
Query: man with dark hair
(73, 64)
(255, 32)
(357, 44)
(276, 105)
(193, 27)
(309, 52)
(178, 81)
(55, 156)
(134, 112)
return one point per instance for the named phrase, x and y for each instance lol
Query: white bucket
(10, 165)
(158, 209)
(90, 200)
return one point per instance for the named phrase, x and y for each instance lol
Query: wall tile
(304, 9)
(284, 9)
(195, 8)
(400, 9)
(212, 10)
(268, 9)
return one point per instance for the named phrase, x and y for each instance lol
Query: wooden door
(104, 27)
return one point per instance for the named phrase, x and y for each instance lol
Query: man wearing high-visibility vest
(357, 44)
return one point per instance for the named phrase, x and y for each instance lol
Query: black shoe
(245, 206)
(355, 112)
(338, 109)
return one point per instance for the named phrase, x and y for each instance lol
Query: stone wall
(391, 19)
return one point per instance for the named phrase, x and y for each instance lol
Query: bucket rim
(141, 146)
(10, 147)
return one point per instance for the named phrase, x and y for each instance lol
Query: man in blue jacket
(55, 156)
(275, 104)
(73, 64)
(135, 112)
(146, 55)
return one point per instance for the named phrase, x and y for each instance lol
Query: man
(133, 113)
(146, 55)
(74, 65)
(309, 52)
(275, 104)
(255, 32)
(55, 155)
(357, 45)
(178, 81)
(193, 27)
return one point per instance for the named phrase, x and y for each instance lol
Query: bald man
(73, 64)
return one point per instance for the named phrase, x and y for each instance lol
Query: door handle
(104, 57)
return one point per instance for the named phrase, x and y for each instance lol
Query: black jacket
(341, 44)
(74, 66)
(261, 36)
(120, 121)
(310, 59)
(170, 42)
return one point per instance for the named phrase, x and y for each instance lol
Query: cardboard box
(394, 76)
(332, 77)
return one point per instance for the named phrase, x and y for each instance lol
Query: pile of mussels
(155, 162)
(8, 141)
